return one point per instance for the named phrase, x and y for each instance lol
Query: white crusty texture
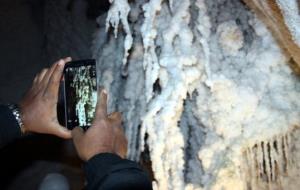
(230, 38)
(290, 12)
(268, 162)
(177, 72)
(149, 34)
(119, 12)
(205, 81)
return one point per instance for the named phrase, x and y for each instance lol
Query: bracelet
(16, 112)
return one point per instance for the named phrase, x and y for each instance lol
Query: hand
(38, 107)
(104, 136)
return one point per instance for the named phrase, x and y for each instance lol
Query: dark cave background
(34, 34)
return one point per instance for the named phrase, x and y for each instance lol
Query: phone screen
(80, 93)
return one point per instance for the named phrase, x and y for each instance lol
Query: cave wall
(205, 89)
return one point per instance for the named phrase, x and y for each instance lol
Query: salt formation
(282, 18)
(267, 163)
(205, 88)
(290, 11)
(119, 12)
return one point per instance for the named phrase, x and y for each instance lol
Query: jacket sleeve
(110, 172)
(9, 128)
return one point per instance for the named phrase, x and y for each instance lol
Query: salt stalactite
(149, 34)
(268, 164)
(109, 52)
(203, 80)
(178, 70)
(119, 12)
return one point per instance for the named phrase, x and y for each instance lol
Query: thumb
(115, 119)
(62, 132)
(77, 134)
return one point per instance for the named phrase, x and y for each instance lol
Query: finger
(67, 59)
(54, 82)
(101, 107)
(35, 79)
(77, 134)
(38, 78)
(62, 132)
(41, 75)
(115, 119)
(121, 145)
(48, 75)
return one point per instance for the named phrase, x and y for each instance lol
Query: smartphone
(78, 94)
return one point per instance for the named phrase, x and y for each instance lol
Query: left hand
(38, 107)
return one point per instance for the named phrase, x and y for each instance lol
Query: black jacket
(104, 171)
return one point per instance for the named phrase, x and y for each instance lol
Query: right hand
(104, 136)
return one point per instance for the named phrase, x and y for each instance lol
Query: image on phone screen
(80, 93)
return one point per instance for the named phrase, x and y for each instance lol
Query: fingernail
(61, 63)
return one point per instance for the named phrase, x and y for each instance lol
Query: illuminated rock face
(282, 18)
(204, 86)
